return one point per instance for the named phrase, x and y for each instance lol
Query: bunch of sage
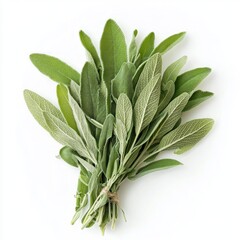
(118, 115)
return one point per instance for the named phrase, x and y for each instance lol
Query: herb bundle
(118, 115)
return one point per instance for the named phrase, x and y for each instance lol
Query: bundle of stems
(118, 115)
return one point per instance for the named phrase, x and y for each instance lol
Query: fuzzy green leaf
(151, 69)
(122, 83)
(166, 95)
(87, 43)
(197, 98)
(173, 70)
(37, 105)
(65, 135)
(174, 110)
(132, 51)
(146, 104)
(113, 51)
(74, 89)
(107, 131)
(169, 43)
(54, 68)
(146, 48)
(187, 134)
(63, 101)
(124, 111)
(66, 154)
(188, 81)
(83, 127)
(89, 88)
(156, 166)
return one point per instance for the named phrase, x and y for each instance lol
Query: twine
(113, 196)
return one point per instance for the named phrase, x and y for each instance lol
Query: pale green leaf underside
(187, 134)
(146, 104)
(37, 105)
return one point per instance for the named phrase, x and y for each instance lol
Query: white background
(199, 200)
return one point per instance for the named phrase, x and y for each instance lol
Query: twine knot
(113, 196)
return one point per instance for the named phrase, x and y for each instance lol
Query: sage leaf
(107, 131)
(122, 83)
(173, 70)
(63, 101)
(85, 164)
(166, 95)
(137, 74)
(37, 105)
(54, 68)
(151, 130)
(156, 166)
(112, 158)
(188, 81)
(132, 51)
(66, 154)
(65, 135)
(74, 89)
(174, 110)
(187, 134)
(121, 134)
(94, 122)
(197, 98)
(124, 111)
(83, 127)
(151, 69)
(87, 43)
(89, 89)
(103, 103)
(146, 104)
(146, 48)
(169, 43)
(113, 51)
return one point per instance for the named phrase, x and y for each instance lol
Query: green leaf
(151, 130)
(122, 83)
(188, 81)
(121, 133)
(106, 132)
(103, 107)
(66, 154)
(87, 43)
(112, 158)
(187, 134)
(63, 101)
(65, 135)
(197, 98)
(89, 88)
(173, 70)
(146, 48)
(151, 69)
(146, 104)
(169, 43)
(113, 51)
(166, 95)
(83, 127)
(132, 51)
(37, 105)
(54, 68)
(124, 111)
(174, 110)
(74, 89)
(138, 73)
(156, 166)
